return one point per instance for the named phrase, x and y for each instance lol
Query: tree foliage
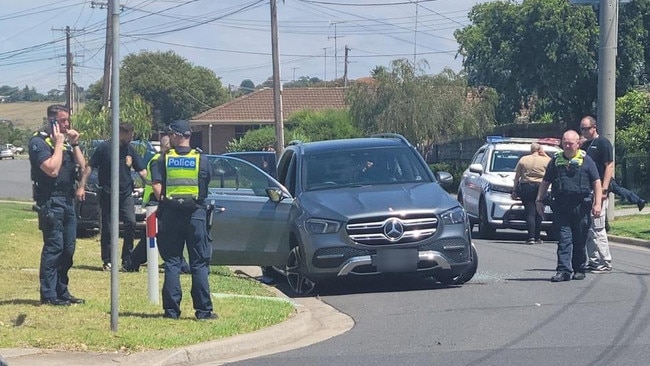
(633, 122)
(323, 125)
(539, 54)
(423, 108)
(97, 125)
(304, 125)
(174, 87)
(260, 139)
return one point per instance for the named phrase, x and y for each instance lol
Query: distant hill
(23, 115)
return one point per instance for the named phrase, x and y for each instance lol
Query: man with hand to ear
(54, 163)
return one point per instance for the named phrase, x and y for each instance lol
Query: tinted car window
(230, 175)
(338, 168)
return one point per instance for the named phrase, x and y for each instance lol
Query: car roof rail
(392, 136)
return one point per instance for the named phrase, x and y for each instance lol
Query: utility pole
(345, 67)
(108, 47)
(115, 148)
(607, 76)
(605, 109)
(336, 60)
(277, 87)
(415, 35)
(325, 73)
(69, 84)
(294, 72)
(69, 69)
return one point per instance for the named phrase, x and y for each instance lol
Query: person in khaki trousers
(528, 175)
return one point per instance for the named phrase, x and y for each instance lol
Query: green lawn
(636, 226)
(26, 323)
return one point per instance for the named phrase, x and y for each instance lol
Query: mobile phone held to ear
(53, 123)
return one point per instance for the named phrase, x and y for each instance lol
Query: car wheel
(271, 273)
(298, 281)
(485, 230)
(446, 279)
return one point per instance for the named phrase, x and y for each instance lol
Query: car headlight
(500, 188)
(454, 216)
(320, 226)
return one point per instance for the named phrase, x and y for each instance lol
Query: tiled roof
(258, 105)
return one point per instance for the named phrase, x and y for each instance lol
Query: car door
(248, 228)
(472, 187)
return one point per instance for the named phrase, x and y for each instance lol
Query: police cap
(181, 127)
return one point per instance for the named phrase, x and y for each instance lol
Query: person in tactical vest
(576, 194)
(55, 156)
(138, 255)
(180, 180)
(101, 161)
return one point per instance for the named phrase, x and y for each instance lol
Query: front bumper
(506, 213)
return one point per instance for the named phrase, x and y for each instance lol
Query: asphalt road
(15, 182)
(509, 314)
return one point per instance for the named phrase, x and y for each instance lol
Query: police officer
(180, 180)
(138, 255)
(53, 170)
(576, 192)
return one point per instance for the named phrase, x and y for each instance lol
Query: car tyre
(272, 274)
(295, 270)
(446, 279)
(485, 230)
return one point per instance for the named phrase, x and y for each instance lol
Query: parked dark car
(339, 208)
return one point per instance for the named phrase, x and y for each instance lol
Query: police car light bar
(519, 140)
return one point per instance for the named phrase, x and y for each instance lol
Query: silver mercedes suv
(341, 208)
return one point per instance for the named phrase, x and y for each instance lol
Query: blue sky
(230, 37)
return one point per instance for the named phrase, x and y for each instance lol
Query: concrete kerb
(628, 241)
(314, 321)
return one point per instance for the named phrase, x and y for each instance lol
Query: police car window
(478, 157)
(505, 160)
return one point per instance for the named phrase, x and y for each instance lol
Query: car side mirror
(476, 168)
(275, 194)
(445, 179)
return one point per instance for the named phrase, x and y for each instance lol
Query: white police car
(487, 183)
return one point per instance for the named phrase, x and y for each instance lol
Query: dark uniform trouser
(58, 222)
(126, 215)
(138, 255)
(572, 223)
(178, 228)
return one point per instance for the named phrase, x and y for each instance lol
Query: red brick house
(213, 129)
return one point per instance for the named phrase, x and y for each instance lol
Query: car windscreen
(504, 161)
(340, 168)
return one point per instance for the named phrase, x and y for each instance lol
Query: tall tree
(174, 87)
(247, 86)
(539, 50)
(424, 108)
(541, 55)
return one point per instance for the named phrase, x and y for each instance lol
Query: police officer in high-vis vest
(576, 200)
(138, 255)
(55, 158)
(180, 180)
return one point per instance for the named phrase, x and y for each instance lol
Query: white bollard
(152, 253)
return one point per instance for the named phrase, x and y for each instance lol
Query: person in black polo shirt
(53, 163)
(129, 159)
